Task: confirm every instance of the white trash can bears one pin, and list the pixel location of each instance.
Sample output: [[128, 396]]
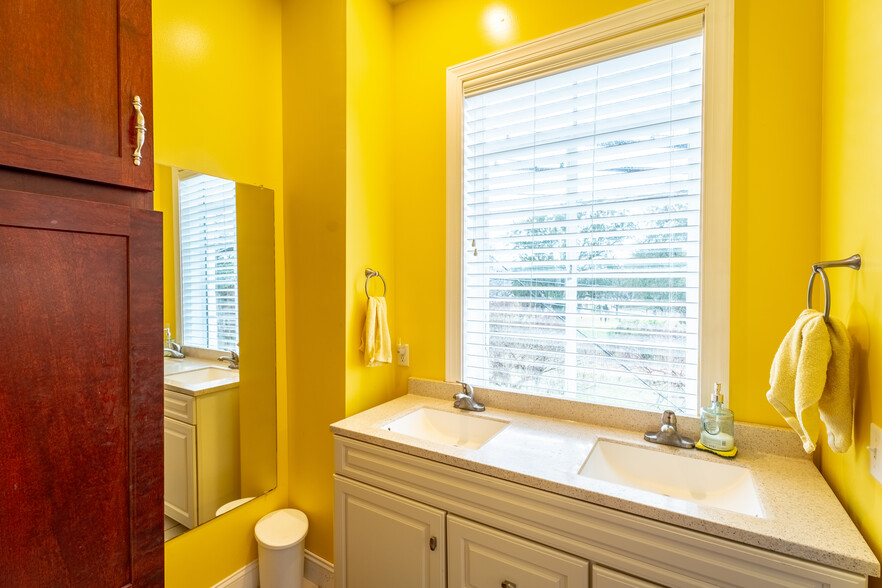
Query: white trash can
[[280, 536]]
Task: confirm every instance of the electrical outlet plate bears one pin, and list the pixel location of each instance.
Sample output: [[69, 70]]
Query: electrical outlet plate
[[403, 354], [876, 452]]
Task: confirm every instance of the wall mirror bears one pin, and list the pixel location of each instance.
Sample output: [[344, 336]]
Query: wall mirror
[[219, 301]]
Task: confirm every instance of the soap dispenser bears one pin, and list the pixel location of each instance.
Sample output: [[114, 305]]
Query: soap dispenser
[[717, 424]]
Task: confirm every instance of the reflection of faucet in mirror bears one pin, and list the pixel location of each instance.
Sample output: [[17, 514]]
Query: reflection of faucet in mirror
[[173, 350], [169, 347], [232, 358]]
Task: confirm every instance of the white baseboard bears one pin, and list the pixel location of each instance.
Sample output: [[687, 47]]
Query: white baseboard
[[315, 569], [318, 571], [246, 577]]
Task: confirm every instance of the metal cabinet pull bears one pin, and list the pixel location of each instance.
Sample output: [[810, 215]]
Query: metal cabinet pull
[[507, 584], [140, 130], [433, 543]]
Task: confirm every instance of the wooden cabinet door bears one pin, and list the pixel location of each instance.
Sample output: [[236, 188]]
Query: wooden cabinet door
[[386, 540], [80, 394], [481, 557], [69, 70]]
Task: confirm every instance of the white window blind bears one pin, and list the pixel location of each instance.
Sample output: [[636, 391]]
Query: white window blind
[[208, 263], [582, 228]]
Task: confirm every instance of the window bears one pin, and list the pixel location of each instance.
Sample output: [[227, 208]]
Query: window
[[584, 252], [208, 266]]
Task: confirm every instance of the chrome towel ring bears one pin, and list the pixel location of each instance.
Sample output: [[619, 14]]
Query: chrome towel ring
[[853, 262], [368, 274]]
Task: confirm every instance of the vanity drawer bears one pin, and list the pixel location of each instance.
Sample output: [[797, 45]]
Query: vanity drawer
[[180, 407]]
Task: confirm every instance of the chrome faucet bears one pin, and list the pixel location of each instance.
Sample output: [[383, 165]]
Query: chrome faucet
[[233, 358], [173, 350], [668, 434], [466, 399]]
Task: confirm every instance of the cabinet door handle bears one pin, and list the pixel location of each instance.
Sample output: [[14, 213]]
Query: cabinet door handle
[[433, 543], [140, 130], [507, 584]]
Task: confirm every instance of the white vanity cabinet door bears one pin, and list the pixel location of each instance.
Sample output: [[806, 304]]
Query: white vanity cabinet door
[[602, 577], [481, 557], [384, 540], [180, 472]]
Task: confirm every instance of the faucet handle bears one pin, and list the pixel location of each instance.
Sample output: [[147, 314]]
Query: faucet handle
[[669, 418], [466, 388]]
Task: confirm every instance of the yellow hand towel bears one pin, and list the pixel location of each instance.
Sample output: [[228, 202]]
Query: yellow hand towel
[[810, 371], [798, 374], [375, 340], [837, 402]]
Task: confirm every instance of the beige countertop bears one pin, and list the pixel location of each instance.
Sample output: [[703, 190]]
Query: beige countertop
[[802, 517]]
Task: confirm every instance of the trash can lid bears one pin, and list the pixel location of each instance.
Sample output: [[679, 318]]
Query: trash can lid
[[281, 528]]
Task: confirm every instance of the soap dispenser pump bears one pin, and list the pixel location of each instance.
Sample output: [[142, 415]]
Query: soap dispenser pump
[[717, 423]]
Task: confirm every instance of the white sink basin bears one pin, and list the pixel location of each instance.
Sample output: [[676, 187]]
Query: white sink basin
[[457, 429], [719, 485], [202, 379]]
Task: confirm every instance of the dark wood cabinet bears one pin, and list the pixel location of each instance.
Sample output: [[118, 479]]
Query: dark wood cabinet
[[69, 71], [81, 419]]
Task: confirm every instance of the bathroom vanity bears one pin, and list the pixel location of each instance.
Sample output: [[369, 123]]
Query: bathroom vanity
[[418, 509]]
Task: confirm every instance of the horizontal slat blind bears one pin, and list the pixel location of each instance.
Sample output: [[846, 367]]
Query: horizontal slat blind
[[582, 226], [208, 262]]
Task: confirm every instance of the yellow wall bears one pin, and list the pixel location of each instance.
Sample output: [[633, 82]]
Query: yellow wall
[[370, 214], [775, 188], [163, 202], [314, 99], [257, 338], [775, 198], [217, 109], [851, 209]]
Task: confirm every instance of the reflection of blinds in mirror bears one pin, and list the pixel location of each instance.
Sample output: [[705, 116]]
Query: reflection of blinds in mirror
[[208, 263], [582, 194]]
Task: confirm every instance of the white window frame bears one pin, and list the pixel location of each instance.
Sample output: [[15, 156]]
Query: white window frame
[[640, 27]]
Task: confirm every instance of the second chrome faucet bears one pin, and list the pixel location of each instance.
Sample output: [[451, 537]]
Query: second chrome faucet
[[668, 434]]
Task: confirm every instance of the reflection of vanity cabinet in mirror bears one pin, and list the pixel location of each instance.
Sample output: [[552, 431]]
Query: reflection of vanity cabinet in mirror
[[219, 300]]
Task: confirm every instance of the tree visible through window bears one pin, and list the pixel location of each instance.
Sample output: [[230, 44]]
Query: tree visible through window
[[582, 231]]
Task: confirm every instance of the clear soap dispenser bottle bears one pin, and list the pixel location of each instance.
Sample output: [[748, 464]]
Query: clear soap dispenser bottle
[[717, 424]]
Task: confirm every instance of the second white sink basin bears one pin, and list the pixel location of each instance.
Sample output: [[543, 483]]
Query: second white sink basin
[[457, 429], [202, 379], [719, 485]]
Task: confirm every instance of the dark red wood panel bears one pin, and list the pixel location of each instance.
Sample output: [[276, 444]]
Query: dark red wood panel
[[69, 70], [80, 394], [59, 42]]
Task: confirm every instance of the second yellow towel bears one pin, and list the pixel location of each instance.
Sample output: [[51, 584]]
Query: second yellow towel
[[811, 380]]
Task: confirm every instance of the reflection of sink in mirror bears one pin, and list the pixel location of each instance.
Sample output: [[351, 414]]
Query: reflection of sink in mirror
[[459, 430], [202, 379], [707, 483], [218, 295]]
